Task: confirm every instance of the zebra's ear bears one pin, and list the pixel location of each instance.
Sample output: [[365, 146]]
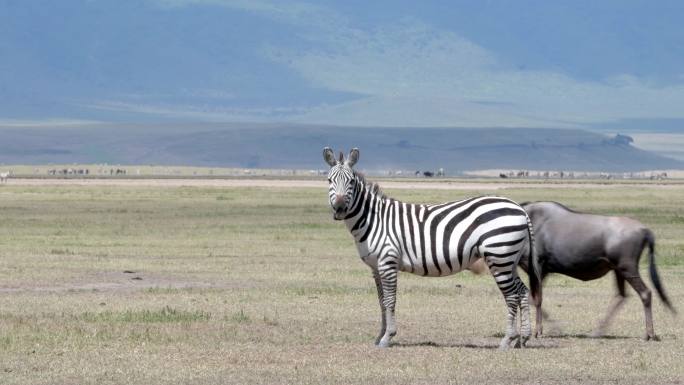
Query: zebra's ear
[[329, 156], [353, 157]]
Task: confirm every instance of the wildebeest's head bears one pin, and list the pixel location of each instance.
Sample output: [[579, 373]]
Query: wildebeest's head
[[342, 181]]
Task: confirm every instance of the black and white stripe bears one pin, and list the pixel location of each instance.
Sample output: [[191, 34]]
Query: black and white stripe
[[432, 240]]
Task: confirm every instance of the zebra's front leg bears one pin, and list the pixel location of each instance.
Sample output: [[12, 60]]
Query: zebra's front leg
[[388, 281], [383, 321]]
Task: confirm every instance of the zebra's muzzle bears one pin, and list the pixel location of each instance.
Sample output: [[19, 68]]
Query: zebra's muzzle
[[339, 213], [339, 207]]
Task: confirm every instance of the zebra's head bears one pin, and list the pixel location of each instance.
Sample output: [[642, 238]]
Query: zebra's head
[[342, 181]]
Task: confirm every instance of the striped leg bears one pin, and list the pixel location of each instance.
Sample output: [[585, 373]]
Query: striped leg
[[526, 325], [378, 285], [387, 269], [511, 336], [515, 295]]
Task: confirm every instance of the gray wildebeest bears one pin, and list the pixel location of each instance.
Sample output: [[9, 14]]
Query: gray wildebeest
[[588, 246]]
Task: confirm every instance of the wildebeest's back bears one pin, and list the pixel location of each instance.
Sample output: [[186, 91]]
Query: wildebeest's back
[[570, 242]]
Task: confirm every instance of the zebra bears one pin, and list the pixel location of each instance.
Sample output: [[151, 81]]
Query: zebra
[[434, 240]]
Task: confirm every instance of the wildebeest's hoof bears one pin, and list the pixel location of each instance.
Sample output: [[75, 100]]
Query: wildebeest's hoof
[[596, 334]]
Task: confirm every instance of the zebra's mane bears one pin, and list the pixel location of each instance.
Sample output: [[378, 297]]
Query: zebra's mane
[[373, 186]]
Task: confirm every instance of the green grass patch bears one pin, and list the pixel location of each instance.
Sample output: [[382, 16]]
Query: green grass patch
[[166, 314]]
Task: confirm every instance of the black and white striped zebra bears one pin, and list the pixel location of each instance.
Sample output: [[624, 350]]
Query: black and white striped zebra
[[434, 240]]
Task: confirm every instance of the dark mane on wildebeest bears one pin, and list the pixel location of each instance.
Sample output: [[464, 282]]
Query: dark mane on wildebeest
[[588, 246], [564, 207]]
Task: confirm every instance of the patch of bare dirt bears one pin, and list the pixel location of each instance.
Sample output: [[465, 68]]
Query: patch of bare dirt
[[117, 281]]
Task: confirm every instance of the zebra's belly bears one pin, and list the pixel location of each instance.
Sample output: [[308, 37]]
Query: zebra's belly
[[430, 268]]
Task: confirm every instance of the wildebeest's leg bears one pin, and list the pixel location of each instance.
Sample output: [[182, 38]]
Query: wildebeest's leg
[[554, 325], [387, 269], [645, 294], [539, 313], [378, 285], [614, 307]]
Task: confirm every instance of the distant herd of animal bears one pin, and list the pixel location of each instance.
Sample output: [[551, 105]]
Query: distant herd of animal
[[441, 239]]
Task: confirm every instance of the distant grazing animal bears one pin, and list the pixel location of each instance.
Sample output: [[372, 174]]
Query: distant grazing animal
[[4, 176], [587, 246], [434, 240], [428, 174]]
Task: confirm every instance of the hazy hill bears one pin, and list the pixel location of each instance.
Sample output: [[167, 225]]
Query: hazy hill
[[428, 63], [290, 146]]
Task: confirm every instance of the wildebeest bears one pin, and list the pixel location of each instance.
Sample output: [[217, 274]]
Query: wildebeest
[[587, 246]]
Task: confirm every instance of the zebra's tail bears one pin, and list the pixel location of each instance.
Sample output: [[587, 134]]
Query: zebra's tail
[[650, 241], [534, 273]]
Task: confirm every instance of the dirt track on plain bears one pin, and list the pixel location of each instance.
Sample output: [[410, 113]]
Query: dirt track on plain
[[309, 183]]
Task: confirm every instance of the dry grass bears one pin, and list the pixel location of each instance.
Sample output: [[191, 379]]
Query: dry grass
[[107, 284]]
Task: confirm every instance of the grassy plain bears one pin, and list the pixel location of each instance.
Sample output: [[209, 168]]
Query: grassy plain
[[143, 285]]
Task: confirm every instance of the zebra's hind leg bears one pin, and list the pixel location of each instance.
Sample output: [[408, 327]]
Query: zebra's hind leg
[[511, 336], [525, 323], [517, 300]]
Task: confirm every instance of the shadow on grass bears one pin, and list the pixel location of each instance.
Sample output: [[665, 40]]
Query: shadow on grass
[[466, 345], [589, 337], [561, 335]]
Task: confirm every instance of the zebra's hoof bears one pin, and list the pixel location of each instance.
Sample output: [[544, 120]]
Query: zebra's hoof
[[383, 344], [510, 342], [517, 344], [507, 343]]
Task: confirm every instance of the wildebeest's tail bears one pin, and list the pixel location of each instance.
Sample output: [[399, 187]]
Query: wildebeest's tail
[[650, 241], [534, 267]]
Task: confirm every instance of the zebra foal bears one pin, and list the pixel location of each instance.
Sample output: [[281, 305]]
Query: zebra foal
[[434, 240]]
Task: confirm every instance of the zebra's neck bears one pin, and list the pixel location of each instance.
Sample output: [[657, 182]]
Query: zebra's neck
[[366, 213]]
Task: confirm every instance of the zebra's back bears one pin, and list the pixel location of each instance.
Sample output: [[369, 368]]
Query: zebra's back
[[438, 240]]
